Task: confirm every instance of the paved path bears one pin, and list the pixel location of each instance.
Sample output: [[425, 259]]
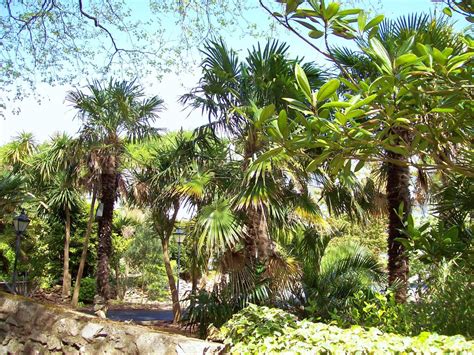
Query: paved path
[[139, 315]]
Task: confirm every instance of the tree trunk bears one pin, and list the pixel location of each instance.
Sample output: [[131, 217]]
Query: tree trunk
[[66, 291], [398, 193], [82, 263], [194, 269], [259, 243], [109, 191], [171, 281]]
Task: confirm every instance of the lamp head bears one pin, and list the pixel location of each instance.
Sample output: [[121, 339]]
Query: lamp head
[[21, 221]]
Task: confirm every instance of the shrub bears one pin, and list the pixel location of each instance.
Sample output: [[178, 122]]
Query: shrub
[[258, 330], [206, 308], [447, 307], [87, 291], [378, 310]]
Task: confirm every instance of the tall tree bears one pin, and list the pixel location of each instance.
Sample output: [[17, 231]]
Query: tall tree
[[228, 91], [385, 119], [58, 169], [165, 182], [112, 114]]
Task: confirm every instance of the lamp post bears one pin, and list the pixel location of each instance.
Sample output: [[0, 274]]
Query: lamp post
[[180, 235], [20, 223]]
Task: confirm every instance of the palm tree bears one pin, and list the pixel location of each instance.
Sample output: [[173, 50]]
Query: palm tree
[[167, 181], [59, 171], [231, 93], [112, 114]]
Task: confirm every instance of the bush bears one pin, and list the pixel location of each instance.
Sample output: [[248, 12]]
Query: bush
[[447, 307], [258, 330], [378, 310], [87, 290], [206, 309]]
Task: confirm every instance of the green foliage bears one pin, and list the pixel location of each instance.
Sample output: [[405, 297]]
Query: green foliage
[[206, 309], [371, 234], [88, 290], [342, 271], [156, 282], [377, 310], [447, 304], [258, 330]]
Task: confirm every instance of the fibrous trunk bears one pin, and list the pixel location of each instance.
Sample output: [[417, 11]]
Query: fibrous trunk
[[109, 190], [66, 274], [398, 194], [259, 244], [171, 281]]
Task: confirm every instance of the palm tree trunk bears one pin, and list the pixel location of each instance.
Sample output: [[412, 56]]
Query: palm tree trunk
[[171, 281], [109, 190], [82, 263], [260, 246], [194, 269], [165, 239], [398, 194], [66, 274]]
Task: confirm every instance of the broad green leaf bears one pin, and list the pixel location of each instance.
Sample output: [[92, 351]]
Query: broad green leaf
[[314, 164], [402, 120], [316, 34], [328, 89], [303, 82], [374, 22], [336, 104], [349, 84], [384, 83], [405, 59], [359, 165], [266, 113], [283, 123], [341, 118], [406, 46], [307, 25], [268, 154], [439, 57], [349, 12], [361, 20], [331, 10], [291, 5], [443, 110], [396, 149], [354, 114], [447, 11], [361, 103], [382, 53]]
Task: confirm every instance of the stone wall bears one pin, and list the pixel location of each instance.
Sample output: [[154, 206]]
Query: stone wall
[[34, 328]]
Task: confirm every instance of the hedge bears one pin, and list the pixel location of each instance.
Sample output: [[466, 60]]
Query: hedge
[[263, 330]]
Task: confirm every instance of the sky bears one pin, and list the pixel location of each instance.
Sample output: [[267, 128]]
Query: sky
[[54, 115]]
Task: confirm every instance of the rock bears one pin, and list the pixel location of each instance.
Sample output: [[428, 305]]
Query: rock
[[4, 327], [54, 343], [66, 326], [26, 312], [11, 320], [91, 330], [39, 338], [9, 306], [3, 315], [56, 330], [101, 314], [149, 343]]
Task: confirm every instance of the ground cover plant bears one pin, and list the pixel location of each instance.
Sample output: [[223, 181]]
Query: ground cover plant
[[258, 330]]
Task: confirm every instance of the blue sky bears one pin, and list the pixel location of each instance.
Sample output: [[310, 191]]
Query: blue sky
[[53, 114]]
